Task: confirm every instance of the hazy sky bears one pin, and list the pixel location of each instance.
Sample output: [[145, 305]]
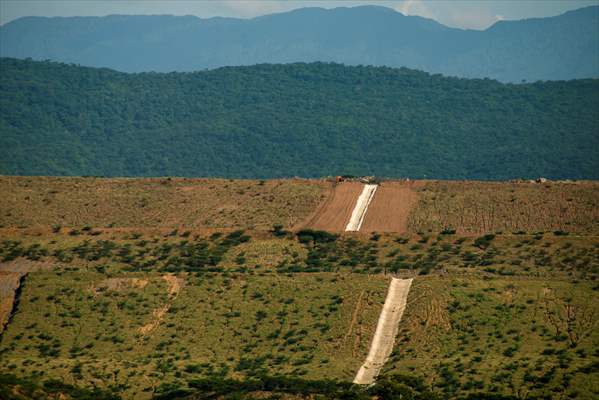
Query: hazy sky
[[457, 13]]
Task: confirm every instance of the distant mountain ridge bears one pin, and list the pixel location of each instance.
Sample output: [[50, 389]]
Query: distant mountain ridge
[[554, 48], [308, 120]]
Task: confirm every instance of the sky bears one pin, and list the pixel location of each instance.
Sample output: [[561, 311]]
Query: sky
[[469, 14]]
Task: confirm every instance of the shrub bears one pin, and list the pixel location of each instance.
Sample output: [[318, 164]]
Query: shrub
[[277, 230], [560, 233], [310, 235], [484, 241]]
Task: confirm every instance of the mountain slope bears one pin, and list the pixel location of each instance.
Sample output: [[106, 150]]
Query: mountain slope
[[297, 119], [562, 47]]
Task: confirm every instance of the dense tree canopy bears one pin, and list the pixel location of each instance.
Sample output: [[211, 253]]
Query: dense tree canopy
[[296, 119]]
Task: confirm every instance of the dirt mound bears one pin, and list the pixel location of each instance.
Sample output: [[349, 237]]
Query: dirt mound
[[389, 209]]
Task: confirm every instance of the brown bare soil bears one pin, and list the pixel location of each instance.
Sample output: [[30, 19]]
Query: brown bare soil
[[473, 208], [157, 202], [389, 209], [337, 208]]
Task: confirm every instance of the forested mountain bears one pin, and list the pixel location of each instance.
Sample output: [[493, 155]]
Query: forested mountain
[[296, 119], [562, 47]]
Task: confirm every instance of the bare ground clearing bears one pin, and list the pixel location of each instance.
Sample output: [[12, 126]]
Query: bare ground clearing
[[337, 209], [389, 209]]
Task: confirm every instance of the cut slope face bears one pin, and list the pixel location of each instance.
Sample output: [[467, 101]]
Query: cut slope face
[[335, 213], [386, 330], [390, 207]]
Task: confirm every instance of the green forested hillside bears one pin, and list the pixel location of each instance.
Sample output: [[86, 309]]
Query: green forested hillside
[[296, 119]]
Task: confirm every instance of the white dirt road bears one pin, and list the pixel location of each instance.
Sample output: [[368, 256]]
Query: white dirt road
[[357, 216], [386, 331]]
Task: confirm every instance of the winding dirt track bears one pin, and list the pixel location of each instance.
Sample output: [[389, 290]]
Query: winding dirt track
[[389, 209], [386, 331], [336, 211]]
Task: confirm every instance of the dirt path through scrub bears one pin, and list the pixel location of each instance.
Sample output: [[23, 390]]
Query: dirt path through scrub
[[337, 209], [174, 286], [386, 331], [389, 209]]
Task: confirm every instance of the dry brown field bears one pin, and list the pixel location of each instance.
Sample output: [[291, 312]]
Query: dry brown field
[[480, 207], [391, 206], [157, 202], [410, 207]]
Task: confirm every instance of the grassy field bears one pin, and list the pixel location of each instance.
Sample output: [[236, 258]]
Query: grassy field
[[143, 314], [86, 328], [526, 337]]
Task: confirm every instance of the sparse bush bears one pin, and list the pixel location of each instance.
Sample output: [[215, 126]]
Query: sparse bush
[[484, 241]]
